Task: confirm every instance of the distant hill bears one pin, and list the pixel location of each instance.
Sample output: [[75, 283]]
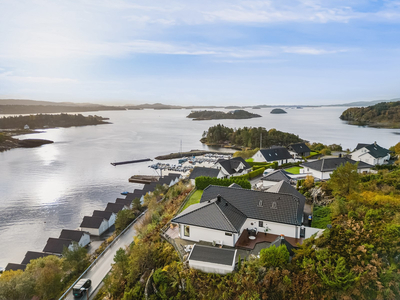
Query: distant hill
[[217, 115], [384, 114], [364, 103]]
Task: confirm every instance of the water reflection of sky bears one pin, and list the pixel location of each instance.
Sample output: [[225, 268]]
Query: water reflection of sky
[[46, 189]]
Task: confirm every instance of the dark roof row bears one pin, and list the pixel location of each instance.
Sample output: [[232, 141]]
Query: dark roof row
[[330, 164]]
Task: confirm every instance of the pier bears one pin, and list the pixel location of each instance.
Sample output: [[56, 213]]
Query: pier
[[145, 179], [130, 161]]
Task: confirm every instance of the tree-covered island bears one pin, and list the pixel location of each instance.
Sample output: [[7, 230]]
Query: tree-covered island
[[218, 115], [383, 115], [17, 125]]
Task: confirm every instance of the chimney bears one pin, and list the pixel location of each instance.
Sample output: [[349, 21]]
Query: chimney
[[219, 198], [282, 236], [375, 143]]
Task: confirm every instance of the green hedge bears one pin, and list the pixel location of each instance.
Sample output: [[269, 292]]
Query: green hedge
[[273, 165], [284, 166], [252, 174], [202, 182]]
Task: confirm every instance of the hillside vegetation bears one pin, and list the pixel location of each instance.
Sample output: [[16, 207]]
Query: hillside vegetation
[[385, 115], [217, 115], [248, 136]]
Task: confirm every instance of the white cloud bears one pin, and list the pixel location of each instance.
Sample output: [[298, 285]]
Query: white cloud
[[34, 79]]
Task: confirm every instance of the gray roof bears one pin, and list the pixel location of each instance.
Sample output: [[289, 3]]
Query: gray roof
[[103, 214], [377, 151], [207, 172], [91, 222], [286, 188], [214, 255], [360, 145], [74, 235], [127, 202], [213, 214], [280, 240], [277, 175], [235, 185], [231, 164], [299, 148], [136, 194], [56, 245], [273, 207], [330, 164], [276, 153], [30, 255], [15, 267], [114, 207]]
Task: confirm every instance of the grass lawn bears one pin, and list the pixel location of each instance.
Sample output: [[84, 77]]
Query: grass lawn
[[313, 153], [294, 170], [194, 199], [250, 159]]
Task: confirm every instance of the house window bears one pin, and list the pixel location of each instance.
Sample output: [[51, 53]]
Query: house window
[[274, 205], [186, 230], [260, 224], [260, 204], [228, 233]]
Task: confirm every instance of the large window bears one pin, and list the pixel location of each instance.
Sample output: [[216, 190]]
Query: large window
[[260, 224], [186, 230], [228, 233]]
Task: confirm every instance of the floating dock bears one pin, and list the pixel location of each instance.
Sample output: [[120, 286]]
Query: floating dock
[[131, 161]]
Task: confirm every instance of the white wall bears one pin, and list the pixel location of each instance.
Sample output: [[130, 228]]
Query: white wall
[[85, 240], [208, 267], [310, 231], [208, 235], [97, 231], [274, 228], [258, 157], [111, 221]]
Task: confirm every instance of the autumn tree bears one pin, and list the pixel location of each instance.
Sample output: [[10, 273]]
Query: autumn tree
[[344, 180]]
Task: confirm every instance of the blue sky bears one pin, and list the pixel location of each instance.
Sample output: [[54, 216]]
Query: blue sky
[[206, 52]]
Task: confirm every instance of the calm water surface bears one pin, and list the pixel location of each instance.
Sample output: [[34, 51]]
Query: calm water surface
[[44, 190]]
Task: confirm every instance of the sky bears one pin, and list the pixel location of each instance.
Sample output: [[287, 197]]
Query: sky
[[185, 52]]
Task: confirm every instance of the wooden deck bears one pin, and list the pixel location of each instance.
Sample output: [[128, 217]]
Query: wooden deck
[[247, 244]]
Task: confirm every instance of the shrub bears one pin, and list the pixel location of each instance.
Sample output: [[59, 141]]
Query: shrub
[[202, 182]]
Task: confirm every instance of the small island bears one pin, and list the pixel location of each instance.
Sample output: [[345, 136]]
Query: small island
[[278, 111], [381, 115], [218, 115], [18, 125]]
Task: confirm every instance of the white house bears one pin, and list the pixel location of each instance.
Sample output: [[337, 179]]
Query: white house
[[279, 154], [108, 215], [299, 150], [323, 168], [94, 225], [116, 207], [212, 260], [139, 194], [372, 154], [224, 213], [274, 177], [56, 246], [207, 172], [232, 167], [81, 237]]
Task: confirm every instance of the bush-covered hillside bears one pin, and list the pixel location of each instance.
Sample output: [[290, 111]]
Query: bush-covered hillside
[[217, 115]]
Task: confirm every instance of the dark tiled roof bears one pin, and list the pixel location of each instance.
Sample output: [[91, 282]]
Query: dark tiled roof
[[299, 148], [136, 194], [56, 245], [207, 172], [377, 151], [235, 185], [91, 222], [280, 240], [231, 164], [74, 235], [103, 214], [360, 145], [273, 207], [33, 255], [277, 175], [114, 207], [15, 267], [126, 202], [330, 164], [277, 153], [286, 188], [214, 255], [214, 215]]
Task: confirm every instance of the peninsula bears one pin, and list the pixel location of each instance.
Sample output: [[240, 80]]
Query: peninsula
[[218, 115], [381, 115]]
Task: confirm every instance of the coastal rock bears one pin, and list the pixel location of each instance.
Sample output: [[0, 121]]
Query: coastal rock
[[278, 111]]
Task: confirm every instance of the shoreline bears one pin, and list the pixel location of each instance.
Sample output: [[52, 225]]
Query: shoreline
[[188, 153]]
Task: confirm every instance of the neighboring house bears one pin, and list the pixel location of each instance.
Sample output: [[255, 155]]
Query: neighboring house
[[94, 225], [175, 178], [279, 154], [81, 237], [274, 177], [15, 267], [299, 150], [323, 168], [126, 202], [139, 194], [232, 167], [372, 154], [108, 215], [30, 255], [115, 207], [56, 246], [224, 213], [212, 259], [207, 172]]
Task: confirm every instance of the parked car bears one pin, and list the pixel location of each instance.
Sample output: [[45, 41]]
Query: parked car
[[81, 287]]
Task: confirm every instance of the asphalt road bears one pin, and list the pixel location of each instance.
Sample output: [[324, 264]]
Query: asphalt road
[[97, 273]]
